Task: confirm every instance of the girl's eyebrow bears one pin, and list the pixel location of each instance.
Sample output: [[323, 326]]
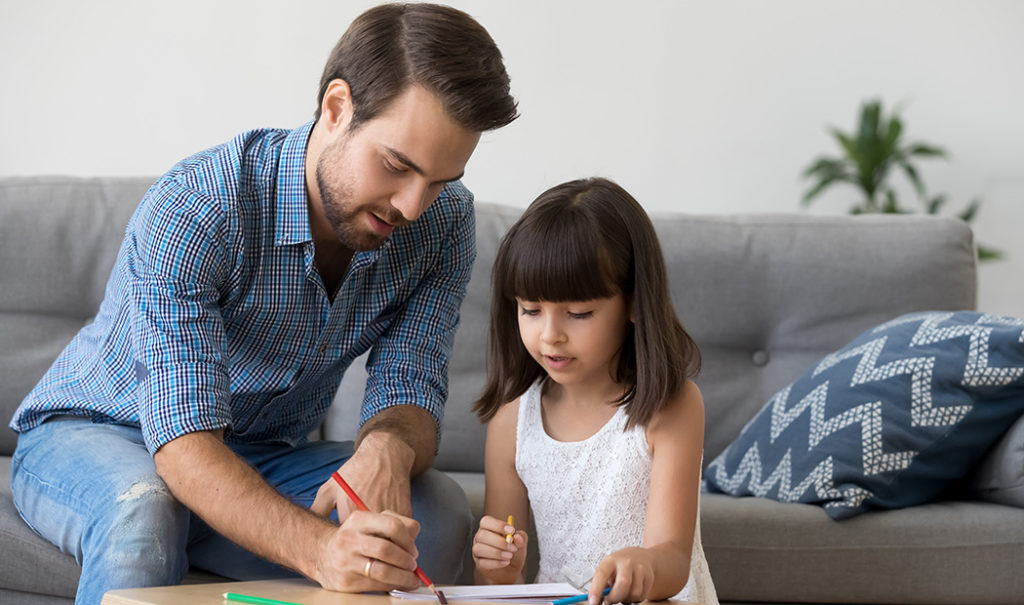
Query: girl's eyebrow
[[404, 159]]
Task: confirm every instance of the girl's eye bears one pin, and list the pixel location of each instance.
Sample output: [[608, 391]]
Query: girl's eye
[[583, 315], [528, 312]]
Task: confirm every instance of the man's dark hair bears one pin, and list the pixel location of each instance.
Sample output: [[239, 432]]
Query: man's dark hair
[[442, 49]]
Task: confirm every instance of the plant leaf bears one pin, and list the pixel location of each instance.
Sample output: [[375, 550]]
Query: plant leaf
[[914, 177], [895, 130], [936, 204], [821, 185], [924, 149], [986, 253], [847, 143], [869, 119], [824, 165], [890, 206], [967, 215]]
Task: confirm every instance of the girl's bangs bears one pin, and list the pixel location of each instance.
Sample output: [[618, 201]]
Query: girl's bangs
[[558, 264]]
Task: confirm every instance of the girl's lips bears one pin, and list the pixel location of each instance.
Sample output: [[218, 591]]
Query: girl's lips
[[556, 362]]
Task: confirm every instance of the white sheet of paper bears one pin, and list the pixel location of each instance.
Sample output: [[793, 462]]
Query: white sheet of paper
[[519, 593]]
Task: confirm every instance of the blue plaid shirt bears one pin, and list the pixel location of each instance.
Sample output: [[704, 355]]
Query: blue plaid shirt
[[215, 315]]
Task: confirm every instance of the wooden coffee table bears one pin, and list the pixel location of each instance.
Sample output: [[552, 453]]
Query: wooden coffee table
[[293, 591]]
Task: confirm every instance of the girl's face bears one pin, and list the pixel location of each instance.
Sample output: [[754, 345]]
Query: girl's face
[[575, 342]]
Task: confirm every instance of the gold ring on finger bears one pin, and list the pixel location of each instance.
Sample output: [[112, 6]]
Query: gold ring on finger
[[368, 568]]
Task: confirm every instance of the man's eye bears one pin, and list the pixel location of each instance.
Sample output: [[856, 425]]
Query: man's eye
[[393, 167]]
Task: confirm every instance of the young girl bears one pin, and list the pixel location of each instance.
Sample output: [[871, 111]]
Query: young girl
[[592, 420]]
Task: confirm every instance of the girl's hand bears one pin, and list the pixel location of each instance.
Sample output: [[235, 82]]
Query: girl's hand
[[630, 573], [496, 560]]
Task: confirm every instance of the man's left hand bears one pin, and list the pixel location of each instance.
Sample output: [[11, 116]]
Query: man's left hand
[[378, 472]]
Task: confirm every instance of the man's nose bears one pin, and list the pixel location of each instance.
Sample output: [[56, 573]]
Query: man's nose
[[412, 200]]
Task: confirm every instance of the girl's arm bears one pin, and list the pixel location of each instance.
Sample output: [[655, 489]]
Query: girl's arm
[[660, 568], [498, 562]]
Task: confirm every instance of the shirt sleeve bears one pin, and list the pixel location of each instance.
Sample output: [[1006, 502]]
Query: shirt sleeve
[[176, 258], [409, 363]]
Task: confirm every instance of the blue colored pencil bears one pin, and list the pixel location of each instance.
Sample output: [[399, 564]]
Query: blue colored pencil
[[578, 598]]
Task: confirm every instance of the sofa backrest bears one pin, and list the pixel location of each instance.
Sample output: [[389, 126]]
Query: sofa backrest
[[764, 296], [59, 238]]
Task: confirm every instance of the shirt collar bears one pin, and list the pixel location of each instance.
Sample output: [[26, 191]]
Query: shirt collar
[[292, 201]]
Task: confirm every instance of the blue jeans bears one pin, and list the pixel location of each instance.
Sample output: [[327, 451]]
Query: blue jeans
[[93, 490]]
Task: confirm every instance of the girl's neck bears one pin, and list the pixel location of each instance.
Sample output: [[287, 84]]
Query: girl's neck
[[577, 412], [590, 395]]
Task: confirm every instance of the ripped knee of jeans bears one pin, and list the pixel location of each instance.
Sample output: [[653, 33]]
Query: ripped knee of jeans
[[143, 489]]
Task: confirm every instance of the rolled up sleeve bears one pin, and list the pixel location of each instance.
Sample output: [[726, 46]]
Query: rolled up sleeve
[[177, 258]]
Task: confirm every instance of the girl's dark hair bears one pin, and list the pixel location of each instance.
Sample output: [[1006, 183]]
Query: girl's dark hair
[[578, 241], [392, 46]]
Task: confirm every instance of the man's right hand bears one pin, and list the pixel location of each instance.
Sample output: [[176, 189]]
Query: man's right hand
[[370, 551], [209, 479]]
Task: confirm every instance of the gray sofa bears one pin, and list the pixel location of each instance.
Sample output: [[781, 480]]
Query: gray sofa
[[765, 296]]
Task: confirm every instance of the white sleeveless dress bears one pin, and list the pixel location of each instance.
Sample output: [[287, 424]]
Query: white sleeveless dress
[[589, 498]]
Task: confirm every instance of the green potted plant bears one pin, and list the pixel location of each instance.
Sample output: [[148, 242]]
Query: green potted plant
[[870, 155]]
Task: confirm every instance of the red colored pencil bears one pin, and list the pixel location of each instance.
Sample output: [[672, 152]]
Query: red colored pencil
[[361, 506]]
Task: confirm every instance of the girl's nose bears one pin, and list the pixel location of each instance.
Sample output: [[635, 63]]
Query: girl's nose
[[552, 332]]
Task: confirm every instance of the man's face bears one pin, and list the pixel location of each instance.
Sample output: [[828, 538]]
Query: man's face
[[388, 171]]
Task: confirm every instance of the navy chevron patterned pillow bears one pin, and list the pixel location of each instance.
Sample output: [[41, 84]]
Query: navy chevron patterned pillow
[[887, 421]]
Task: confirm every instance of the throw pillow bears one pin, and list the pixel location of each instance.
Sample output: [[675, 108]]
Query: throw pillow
[[887, 421]]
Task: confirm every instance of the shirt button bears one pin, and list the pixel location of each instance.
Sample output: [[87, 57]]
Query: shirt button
[[760, 358], [323, 347]]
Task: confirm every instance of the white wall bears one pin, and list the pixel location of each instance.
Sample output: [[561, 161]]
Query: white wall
[[699, 106]]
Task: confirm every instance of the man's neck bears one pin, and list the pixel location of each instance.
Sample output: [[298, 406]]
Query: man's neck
[[332, 264]]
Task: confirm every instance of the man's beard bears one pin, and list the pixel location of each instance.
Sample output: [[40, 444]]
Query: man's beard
[[340, 207]]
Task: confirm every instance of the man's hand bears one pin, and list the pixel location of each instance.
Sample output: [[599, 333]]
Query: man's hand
[[370, 551], [378, 471], [392, 446]]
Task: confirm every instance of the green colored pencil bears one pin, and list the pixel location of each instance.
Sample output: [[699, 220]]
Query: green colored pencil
[[244, 598]]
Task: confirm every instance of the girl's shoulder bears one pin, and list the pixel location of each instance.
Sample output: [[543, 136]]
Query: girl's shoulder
[[682, 416], [506, 415], [503, 427]]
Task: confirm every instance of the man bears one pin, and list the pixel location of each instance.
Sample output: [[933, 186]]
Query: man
[[174, 427]]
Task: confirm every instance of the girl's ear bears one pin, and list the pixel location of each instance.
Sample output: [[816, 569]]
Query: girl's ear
[[336, 109]]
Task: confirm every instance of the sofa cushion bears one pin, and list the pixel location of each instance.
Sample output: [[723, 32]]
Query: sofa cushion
[[949, 552], [31, 564], [1000, 476], [888, 421], [59, 238]]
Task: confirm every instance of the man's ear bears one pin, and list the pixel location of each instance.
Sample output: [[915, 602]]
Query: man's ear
[[336, 109]]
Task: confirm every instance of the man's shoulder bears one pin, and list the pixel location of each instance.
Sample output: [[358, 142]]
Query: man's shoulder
[[239, 175], [222, 187], [455, 202], [249, 157], [450, 215]]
